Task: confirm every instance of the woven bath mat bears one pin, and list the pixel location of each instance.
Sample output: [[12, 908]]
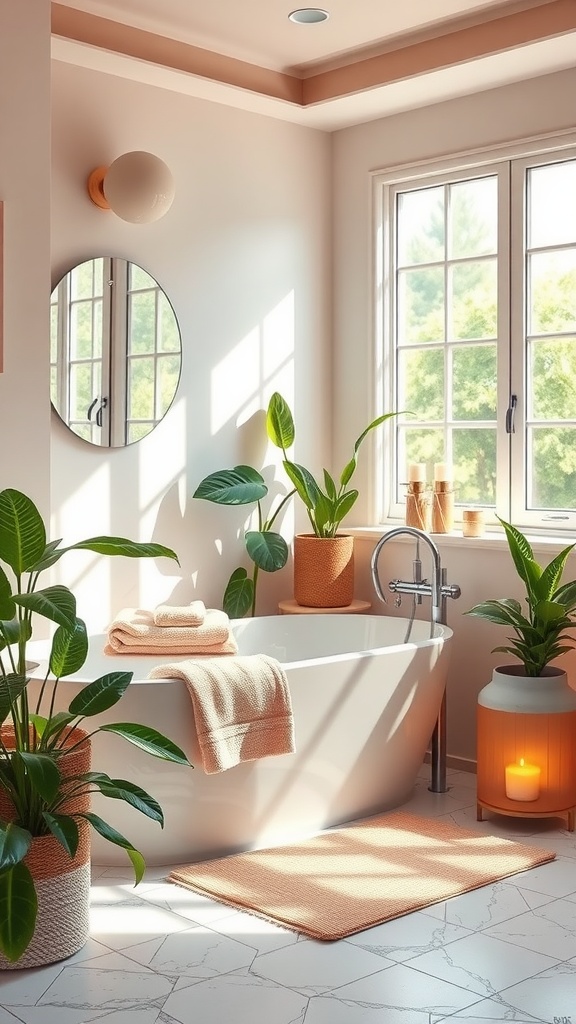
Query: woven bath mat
[[348, 879]]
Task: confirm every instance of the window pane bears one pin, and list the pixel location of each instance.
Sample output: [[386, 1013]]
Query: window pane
[[419, 446], [86, 280], [421, 305], [421, 383], [169, 335], [168, 373], [54, 385], [53, 333], [552, 204], [82, 389], [553, 483], [474, 299], [473, 218], [142, 321], [475, 466], [98, 329], [141, 389], [136, 431], [139, 278], [421, 226], [553, 376], [81, 330], [552, 290], [474, 382]]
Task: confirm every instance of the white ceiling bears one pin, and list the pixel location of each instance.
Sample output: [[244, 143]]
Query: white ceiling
[[260, 33]]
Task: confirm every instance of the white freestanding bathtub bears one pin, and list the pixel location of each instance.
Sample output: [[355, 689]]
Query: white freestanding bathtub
[[364, 702]]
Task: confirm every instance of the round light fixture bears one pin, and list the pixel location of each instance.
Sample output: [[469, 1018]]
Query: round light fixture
[[137, 187], [309, 16]]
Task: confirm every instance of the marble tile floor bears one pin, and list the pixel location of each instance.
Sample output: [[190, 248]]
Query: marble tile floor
[[159, 954]]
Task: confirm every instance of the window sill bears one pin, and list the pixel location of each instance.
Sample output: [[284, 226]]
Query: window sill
[[493, 539]]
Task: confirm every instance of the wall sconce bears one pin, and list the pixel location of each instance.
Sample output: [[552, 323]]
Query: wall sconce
[[137, 187]]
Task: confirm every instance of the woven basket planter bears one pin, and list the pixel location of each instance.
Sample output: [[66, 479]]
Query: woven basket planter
[[323, 570], [62, 883]]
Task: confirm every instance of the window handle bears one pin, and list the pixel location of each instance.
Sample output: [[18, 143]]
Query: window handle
[[510, 415], [102, 406], [90, 407]]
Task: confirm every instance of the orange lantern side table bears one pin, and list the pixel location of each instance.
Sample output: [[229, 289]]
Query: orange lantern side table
[[526, 745]]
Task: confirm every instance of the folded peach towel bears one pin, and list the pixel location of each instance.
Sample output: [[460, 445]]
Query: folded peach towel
[[192, 614], [242, 707], [133, 632]]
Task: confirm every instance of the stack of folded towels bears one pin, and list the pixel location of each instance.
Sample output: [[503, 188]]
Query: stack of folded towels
[[169, 629]]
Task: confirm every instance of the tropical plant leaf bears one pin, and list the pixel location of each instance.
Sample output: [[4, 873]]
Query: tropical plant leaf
[[304, 482], [566, 595], [22, 531], [238, 595], [14, 844], [279, 422], [109, 833], [101, 694], [55, 725], [55, 603], [119, 789], [150, 740], [239, 486], [13, 631], [323, 516], [42, 772], [549, 611], [267, 549], [18, 911], [11, 686], [69, 649], [505, 612], [330, 486], [50, 556], [350, 467], [121, 546], [552, 574], [7, 604], [344, 504], [64, 829]]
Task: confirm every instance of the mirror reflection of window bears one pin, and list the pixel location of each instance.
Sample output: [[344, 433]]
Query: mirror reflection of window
[[115, 351]]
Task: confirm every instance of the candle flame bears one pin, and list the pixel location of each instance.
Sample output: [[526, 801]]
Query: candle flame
[[521, 762]]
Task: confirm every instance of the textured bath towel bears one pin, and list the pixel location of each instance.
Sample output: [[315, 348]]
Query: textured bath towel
[[192, 614], [242, 708], [133, 632]]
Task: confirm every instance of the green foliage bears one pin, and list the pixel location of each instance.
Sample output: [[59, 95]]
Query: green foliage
[[539, 633], [243, 485], [29, 769]]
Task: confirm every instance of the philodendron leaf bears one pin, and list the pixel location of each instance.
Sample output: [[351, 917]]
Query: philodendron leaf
[[239, 486], [50, 556], [122, 546], [7, 605], [69, 650], [268, 550], [552, 574], [304, 483], [22, 531], [55, 725], [239, 594], [18, 910], [279, 422], [43, 774], [64, 829], [56, 603], [120, 789], [101, 694], [14, 844], [344, 505], [109, 833], [11, 686], [13, 632], [150, 740], [350, 467]]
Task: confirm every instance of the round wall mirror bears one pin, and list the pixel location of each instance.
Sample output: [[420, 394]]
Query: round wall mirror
[[115, 351]]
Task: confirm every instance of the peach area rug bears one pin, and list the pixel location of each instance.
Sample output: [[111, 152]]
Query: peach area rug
[[351, 878]]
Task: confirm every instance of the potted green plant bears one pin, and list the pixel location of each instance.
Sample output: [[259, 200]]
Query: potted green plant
[[45, 777], [539, 635], [324, 559], [526, 716]]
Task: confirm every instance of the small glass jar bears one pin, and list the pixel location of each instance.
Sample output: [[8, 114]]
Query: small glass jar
[[473, 522]]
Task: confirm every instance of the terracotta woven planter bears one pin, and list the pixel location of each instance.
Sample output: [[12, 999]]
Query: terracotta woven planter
[[323, 570], [62, 884]]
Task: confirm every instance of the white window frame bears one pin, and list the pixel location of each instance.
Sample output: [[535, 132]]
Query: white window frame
[[511, 348]]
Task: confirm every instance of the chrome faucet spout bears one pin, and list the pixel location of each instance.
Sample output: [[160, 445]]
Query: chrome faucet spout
[[417, 586]]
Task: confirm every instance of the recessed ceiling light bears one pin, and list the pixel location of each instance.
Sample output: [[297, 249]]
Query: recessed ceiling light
[[309, 16]]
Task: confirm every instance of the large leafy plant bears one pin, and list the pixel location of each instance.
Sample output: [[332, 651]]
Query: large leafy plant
[[244, 485], [29, 764], [539, 630]]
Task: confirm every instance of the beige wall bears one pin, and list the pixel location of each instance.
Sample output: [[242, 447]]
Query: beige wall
[[25, 191], [243, 254], [542, 105]]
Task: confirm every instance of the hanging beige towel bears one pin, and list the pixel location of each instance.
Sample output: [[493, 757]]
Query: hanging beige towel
[[133, 632], [192, 614], [242, 708]]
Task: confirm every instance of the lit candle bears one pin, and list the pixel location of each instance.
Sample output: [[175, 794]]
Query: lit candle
[[417, 472], [522, 781], [442, 471]]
